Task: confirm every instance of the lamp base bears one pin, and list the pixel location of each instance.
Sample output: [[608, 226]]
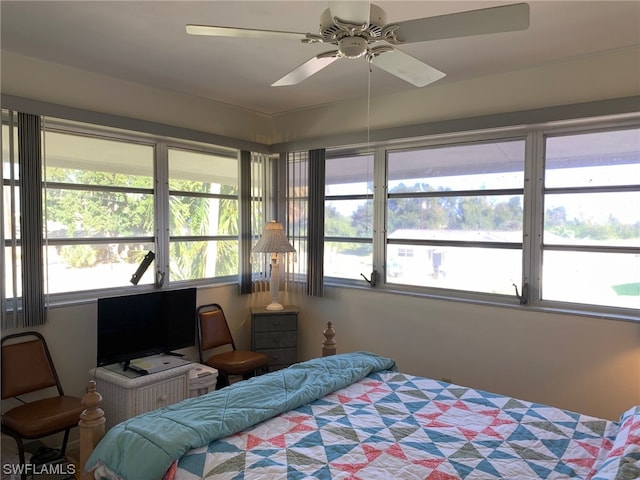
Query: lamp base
[[275, 306]]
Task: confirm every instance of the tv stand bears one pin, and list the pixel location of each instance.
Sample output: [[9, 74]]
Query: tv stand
[[127, 394]]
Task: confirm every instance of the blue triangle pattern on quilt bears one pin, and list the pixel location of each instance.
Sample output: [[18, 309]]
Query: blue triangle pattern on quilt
[[266, 453], [563, 469], [534, 412], [556, 446], [522, 433], [501, 455], [373, 430], [264, 462], [415, 406], [391, 398], [193, 463], [438, 436], [311, 440], [517, 416], [444, 396], [346, 421], [222, 447], [540, 470], [462, 469], [570, 425], [486, 467], [431, 448], [334, 452]]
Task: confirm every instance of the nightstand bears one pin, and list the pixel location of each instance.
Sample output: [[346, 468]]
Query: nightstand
[[275, 332]]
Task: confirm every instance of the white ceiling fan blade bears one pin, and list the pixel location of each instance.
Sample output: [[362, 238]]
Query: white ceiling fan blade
[[214, 31], [407, 68], [508, 18], [310, 67], [356, 12]]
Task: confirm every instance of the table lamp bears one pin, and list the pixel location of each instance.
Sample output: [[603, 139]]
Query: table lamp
[[273, 241]]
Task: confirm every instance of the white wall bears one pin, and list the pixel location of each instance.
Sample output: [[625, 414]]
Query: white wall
[[45, 81], [583, 364]]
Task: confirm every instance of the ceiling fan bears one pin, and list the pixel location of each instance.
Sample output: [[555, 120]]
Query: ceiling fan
[[358, 28]]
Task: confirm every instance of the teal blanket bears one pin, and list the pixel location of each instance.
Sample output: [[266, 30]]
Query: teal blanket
[[145, 446]]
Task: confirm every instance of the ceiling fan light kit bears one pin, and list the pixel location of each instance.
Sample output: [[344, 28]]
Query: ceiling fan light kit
[[352, 47], [359, 29]]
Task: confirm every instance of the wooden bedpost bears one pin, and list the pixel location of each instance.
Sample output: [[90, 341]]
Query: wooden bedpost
[[91, 424], [329, 343]]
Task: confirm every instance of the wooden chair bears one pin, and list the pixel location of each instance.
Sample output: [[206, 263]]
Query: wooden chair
[[213, 332], [27, 367]]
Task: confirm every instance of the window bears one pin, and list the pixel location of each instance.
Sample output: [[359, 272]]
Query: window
[[110, 197], [546, 216], [348, 217], [203, 215], [298, 211], [591, 235], [454, 216], [10, 202], [99, 211]]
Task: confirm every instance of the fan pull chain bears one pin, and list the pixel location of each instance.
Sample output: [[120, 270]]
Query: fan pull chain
[[369, 108], [369, 152]]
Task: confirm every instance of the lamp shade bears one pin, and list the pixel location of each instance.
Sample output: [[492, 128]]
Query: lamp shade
[[273, 240]]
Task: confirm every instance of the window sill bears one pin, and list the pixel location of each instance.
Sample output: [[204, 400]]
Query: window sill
[[499, 301]]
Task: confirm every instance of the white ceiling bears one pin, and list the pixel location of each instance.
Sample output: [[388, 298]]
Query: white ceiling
[[145, 42]]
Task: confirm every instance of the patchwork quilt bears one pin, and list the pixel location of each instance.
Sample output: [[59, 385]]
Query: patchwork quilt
[[391, 425], [352, 416]]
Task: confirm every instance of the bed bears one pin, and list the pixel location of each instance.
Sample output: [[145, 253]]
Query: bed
[[354, 416]]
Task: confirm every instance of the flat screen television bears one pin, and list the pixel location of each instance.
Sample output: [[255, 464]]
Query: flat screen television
[[136, 326]]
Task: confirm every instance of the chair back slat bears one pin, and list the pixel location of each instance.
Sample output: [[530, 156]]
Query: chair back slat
[[26, 367]]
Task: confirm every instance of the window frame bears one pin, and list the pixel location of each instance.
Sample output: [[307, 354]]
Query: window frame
[[538, 145], [464, 141], [168, 237], [11, 236], [55, 126], [336, 154], [528, 292]]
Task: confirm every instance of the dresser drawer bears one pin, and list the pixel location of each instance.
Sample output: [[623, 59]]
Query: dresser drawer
[[280, 358], [270, 340], [271, 323]]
